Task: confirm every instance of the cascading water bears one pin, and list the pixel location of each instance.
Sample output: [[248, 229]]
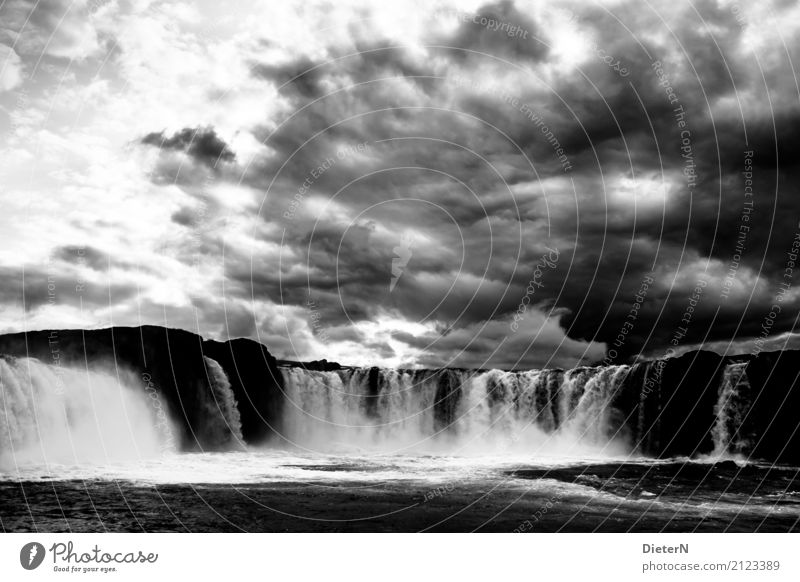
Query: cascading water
[[57, 414], [545, 411], [342, 409], [734, 401], [52, 414], [592, 417], [224, 424]]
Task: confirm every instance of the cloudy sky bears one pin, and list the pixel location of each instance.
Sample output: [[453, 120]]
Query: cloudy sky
[[408, 183]]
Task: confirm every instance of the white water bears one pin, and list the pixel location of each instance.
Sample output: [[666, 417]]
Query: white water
[[275, 465], [51, 415], [221, 408], [539, 413], [733, 404], [79, 419]]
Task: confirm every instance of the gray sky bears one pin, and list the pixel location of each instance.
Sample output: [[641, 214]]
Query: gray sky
[[390, 183]]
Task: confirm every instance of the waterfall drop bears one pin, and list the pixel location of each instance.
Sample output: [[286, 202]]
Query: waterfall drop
[[222, 413], [56, 415], [540, 412], [733, 405]]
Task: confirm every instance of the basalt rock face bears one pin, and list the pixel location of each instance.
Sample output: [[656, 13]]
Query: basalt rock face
[[256, 383], [701, 404], [171, 363], [772, 426], [743, 405], [315, 365], [689, 394]]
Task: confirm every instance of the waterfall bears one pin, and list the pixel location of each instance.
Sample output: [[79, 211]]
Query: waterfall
[[592, 415], [453, 410], [339, 409], [733, 404], [224, 423], [58, 415]]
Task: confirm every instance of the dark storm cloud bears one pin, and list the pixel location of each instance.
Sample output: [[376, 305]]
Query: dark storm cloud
[[654, 190], [777, 141], [37, 287], [364, 62], [332, 263], [76, 256], [499, 30], [489, 345], [89, 256], [620, 131], [302, 76], [201, 143], [459, 142], [383, 349], [185, 217], [17, 289]]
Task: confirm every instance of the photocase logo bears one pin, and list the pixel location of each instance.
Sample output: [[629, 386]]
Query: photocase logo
[[31, 555], [399, 262]]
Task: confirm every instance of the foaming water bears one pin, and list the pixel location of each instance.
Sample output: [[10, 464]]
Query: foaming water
[[732, 407], [51, 415], [279, 490], [540, 413], [220, 406], [363, 424], [275, 466]]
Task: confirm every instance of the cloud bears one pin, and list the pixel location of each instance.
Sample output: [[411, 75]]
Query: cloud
[[498, 30], [540, 343], [289, 160], [10, 70], [626, 213], [60, 28], [202, 144], [35, 288]]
